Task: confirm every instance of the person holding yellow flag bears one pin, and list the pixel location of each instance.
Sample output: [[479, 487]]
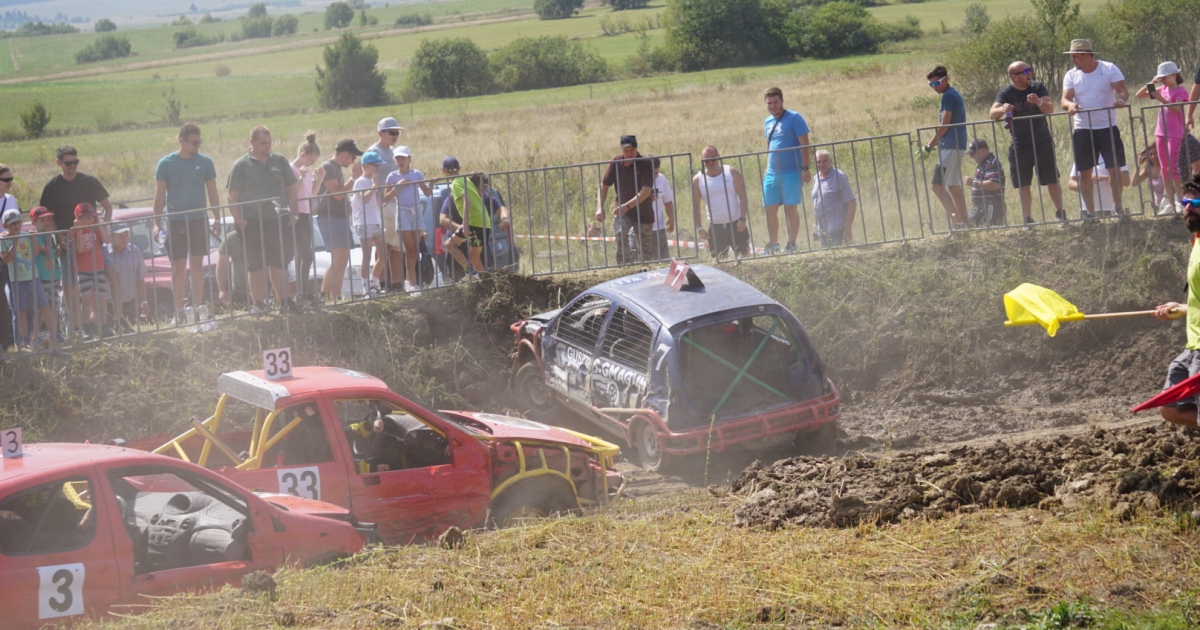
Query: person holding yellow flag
[[1187, 364]]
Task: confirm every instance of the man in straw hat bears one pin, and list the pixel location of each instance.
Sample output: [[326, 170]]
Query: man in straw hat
[[1091, 91]]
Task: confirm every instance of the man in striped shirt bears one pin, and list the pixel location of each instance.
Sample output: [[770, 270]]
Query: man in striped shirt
[[834, 204], [987, 188]]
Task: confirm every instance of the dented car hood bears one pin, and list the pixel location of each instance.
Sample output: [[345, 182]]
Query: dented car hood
[[510, 428]]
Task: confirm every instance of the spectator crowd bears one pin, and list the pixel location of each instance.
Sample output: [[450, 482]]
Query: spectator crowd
[[70, 273]]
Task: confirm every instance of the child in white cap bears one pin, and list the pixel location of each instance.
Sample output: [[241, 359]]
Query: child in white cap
[[1166, 88]]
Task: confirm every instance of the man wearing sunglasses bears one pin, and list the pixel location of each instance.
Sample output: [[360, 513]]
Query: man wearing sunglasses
[[1024, 103], [1188, 362], [951, 142], [389, 274]]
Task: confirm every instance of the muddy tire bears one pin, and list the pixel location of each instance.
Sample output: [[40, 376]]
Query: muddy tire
[[530, 499], [534, 398], [650, 449], [821, 440]]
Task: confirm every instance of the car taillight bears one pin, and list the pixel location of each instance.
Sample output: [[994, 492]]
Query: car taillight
[[729, 329]]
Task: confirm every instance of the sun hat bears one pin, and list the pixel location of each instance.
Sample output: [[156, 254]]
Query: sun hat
[[1080, 46], [11, 215], [401, 151], [372, 157], [1166, 69]]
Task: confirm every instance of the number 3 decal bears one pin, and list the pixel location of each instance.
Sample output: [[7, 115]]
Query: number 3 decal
[[60, 592], [301, 482]]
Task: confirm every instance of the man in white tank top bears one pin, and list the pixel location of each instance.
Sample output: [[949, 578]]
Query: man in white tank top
[[724, 193]]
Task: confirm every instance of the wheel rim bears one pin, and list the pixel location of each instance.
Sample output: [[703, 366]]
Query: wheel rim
[[537, 392], [651, 449]]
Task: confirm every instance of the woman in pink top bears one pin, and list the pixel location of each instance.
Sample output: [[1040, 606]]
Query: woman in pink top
[[1169, 132], [302, 168]]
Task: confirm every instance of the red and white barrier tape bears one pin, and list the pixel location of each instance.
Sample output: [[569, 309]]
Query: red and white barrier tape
[[608, 239]]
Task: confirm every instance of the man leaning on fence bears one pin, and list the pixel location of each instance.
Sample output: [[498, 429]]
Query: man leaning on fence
[[723, 191], [1091, 91], [834, 204], [950, 138], [633, 213], [987, 187], [1023, 104]]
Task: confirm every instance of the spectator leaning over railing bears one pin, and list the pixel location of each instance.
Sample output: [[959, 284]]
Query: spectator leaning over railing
[[723, 191], [91, 263], [950, 138], [1032, 145], [368, 218], [664, 212], [265, 176], [1169, 130], [232, 279], [787, 171], [388, 274], [61, 195], [987, 188], [48, 247], [184, 178], [1098, 86], [130, 304], [308, 186], [834, 204], [25, 292], [333, 213], [633, 213], [1149, 171], [409, 224]]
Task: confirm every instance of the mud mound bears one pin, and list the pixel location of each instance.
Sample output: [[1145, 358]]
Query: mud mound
[[1129, 469]]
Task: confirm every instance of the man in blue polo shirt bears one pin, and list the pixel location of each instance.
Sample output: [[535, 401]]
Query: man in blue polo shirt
[[950, 138], [184, 178], [784, 129]]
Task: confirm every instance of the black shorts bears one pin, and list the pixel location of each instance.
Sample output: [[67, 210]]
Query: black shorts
[[1023, 156], [1090, 143], [722, 236], [187, 239], [1183, 366], [475, 236], [268, 243]]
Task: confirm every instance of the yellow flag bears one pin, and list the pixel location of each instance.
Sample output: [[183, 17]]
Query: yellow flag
[[1031, 304]]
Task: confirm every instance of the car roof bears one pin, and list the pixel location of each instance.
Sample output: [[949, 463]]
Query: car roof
[[47, 457], [253, 387], [721, 292]]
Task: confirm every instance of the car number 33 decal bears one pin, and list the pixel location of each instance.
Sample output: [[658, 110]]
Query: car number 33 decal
[[301, 482], [60, 591]]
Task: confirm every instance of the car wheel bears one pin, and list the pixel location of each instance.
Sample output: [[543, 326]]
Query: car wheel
[[534, 397], [534, 498], [650, 449], [820, 440]]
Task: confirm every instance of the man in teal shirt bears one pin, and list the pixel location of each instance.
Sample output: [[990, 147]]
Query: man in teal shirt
[[787, 169], [183, 179], [1187, 364]]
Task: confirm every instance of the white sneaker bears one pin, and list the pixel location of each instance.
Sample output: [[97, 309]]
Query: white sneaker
[[374, 285], [411, 289], [1167, 209]]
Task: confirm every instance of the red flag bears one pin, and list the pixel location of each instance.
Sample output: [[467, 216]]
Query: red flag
[[1184, 389]]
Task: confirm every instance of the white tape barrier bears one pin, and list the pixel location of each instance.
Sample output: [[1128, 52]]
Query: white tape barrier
[[609, 239]]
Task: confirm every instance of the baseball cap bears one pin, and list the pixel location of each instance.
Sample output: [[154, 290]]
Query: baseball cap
[[117, 228], [39, 212], [629, 141], [1166, 69], [976, 144], [450, 163], [401, 151], [389, 123], [348, 145], [10, 215], [86, 209], [371, 157]]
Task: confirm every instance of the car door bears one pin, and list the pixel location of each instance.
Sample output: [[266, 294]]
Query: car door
[[56, 550], [571, 345], [415, 477], [308, 462], [179, 530], [620, 374]]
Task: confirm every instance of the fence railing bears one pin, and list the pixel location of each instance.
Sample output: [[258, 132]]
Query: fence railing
[[273, 258]]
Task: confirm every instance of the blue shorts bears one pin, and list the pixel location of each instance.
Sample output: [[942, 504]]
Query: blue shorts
[[408, 220], [789, 182], [27, 295], [335, 232]]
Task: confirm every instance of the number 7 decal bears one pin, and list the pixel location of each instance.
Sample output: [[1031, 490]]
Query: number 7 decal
[[60, 591]]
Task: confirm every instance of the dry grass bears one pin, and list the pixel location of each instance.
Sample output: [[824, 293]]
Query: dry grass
[[679, 563]]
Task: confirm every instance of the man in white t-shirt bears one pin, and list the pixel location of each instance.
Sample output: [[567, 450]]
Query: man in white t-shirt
[[1091, 91], [664, 214], [723, 191], [1103, 193], [389, 136]]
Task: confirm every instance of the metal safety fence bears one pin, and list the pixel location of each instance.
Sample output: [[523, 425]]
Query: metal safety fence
[[134, 273]]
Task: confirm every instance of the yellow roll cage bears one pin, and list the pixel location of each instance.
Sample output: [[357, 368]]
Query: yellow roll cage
[[261, 439], [604, 451]]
